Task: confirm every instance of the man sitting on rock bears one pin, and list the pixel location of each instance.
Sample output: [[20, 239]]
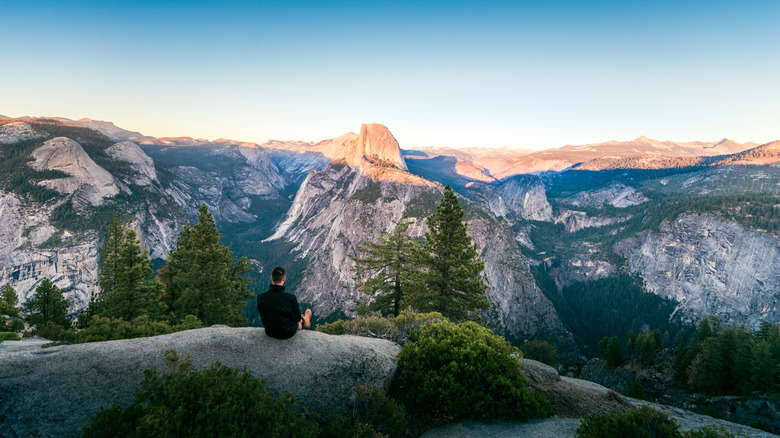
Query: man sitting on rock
[[279, 310]]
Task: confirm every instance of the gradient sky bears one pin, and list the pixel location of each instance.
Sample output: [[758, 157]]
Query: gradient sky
[[520, 74]]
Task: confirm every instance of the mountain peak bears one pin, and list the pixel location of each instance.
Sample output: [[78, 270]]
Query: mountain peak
[[374, 145]]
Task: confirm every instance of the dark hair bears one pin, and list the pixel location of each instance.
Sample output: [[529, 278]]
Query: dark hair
[[278, 274]]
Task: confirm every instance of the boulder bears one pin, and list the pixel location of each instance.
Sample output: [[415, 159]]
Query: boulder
[[55, 391], [572, 398]]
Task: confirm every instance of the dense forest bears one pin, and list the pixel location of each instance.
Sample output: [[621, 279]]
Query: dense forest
[[610, 306]]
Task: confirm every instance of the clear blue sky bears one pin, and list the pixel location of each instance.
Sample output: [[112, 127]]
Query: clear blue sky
[[519, 74]]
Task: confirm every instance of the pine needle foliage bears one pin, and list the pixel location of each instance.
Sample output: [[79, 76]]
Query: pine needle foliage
[[201, 277], [47, 305], [386, 269], [451, 283]]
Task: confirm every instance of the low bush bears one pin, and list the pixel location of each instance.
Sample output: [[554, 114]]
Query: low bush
[[448, 372], [644, 422], [218, 401], [373, 414], [541, 351], [109, 329], [398, 329], [9, 336], [637, 390]]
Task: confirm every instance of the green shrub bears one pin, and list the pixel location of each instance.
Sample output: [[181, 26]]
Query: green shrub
[[108, 329], [637, 390], [218, 401], [644, 422], [398, 329], [52, 331], [450, 372], [9, 336], [541, 351], [708, 432], [373, 414]]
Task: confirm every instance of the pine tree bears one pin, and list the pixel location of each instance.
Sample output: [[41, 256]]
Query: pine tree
[[386, 270], [202, 279], [109, 256], [763, 369], [452, 284], [133, 292], [8, 301], [47, 305]]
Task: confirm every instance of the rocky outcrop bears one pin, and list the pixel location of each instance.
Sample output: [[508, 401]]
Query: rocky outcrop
[[518, 197], [18, 131], [574, 221], [375, 145], [90, 182], [73, 269], [24, 264], [616, 195], [55, 391], [711, 266], [141, 164]]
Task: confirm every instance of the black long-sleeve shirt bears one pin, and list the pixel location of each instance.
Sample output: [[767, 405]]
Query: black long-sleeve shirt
[[279, 311]]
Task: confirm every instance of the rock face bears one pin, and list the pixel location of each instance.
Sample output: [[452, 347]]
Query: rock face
[[18, 131], [89, 181], [23, 264], [712, 267], [375, 144], [574, 221], [616, 195], [142, 164], [55, 391], [518, 197]]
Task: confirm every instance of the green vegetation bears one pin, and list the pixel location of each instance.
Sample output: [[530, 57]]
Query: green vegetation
[[9, 336], [397, 329], [218, 401], [730, 360], [637, 390], [450, 283], [449, 372], [201, 277], [541, 351], [609, 350], [605, 307], [102, 328], [644, 422], [9, 313], [47, 309], [386, 270]]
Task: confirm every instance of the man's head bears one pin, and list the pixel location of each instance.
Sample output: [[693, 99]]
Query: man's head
[[278, 275]]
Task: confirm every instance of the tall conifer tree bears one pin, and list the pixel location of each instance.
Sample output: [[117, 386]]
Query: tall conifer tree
[[202, 279], [109, 257], [134, 292], [8, 301], [47, 305], [452, 284], [385, 271]]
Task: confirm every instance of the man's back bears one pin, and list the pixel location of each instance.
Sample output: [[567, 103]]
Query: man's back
[[279, 311]]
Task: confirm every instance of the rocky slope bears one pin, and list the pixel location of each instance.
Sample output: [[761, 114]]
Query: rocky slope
[[55, 391], [712, 267], [87, 181]]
